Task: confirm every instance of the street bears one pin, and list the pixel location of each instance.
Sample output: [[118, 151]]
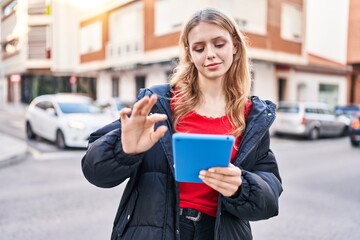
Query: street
[[321, 192], [46, 196]]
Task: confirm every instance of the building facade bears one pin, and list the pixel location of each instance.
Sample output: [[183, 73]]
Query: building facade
[[38, 52], [123, 45], [353, 49]]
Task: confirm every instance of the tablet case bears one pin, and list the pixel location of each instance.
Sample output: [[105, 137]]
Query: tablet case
[[196, 152]]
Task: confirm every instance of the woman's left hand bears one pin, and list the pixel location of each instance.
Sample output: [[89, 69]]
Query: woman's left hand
[[225, 180]]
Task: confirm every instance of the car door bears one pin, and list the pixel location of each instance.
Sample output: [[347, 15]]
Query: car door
[[336, 126], [51, 124], [35, 118], [328, 121]]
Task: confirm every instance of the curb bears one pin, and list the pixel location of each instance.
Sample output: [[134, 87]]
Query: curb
[[14, 159]]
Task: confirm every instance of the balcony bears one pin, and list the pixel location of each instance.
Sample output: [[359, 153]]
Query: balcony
[[37, 41], [37, 7]]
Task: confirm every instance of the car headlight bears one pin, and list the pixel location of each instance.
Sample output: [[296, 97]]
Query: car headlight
[[76, 125]]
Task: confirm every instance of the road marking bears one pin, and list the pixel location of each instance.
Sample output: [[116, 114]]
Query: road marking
[[18, 124], [57, 155], [34, 152]]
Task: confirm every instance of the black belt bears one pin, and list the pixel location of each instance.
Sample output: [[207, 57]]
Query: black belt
[[193, 215]]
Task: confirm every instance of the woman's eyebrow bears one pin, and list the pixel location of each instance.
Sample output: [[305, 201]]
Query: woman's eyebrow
[[212, 40]]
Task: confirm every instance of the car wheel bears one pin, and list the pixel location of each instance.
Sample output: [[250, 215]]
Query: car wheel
[[29, 132], [279, 134], [60, 140], [346, 131], [354, 143], [314, 134]]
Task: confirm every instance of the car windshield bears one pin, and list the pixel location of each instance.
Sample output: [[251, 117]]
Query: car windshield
[[78, 107], [119, 106], [288, 109]]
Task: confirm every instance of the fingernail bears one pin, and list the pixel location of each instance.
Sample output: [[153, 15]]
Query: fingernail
[[202, 172], [211, 170]]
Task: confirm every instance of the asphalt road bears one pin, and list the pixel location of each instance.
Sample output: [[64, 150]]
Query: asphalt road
[[46, 196], [321, 192]]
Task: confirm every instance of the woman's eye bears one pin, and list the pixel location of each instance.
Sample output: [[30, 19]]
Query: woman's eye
[[219, 45], [199, 50]]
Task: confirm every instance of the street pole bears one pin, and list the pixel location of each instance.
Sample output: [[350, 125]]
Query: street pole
[[2, 86]]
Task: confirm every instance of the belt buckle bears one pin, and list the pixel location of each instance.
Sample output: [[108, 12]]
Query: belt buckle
[[194, 219]]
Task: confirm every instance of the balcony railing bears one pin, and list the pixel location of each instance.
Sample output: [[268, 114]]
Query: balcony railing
[[37, 41], [123, 50], [37, 7]]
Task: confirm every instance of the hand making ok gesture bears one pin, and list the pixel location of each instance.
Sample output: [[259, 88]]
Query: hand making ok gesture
[[137, 132]]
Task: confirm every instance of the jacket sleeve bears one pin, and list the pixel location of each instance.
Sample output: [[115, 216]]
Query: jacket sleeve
[[261, 187], [105, 164]]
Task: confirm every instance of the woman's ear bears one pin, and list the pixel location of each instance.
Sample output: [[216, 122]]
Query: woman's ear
[[188, 54], [235, 48]]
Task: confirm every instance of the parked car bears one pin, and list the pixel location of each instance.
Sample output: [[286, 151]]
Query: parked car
[[355, 132], [350, 111], [113, 106], [66, 119], [312, 120]]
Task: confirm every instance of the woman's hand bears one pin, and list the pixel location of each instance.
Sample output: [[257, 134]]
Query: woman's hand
[[225, 180], [137, 126]]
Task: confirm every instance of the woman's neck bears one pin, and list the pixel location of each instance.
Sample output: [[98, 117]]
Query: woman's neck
[[213, 99], [211, 88]]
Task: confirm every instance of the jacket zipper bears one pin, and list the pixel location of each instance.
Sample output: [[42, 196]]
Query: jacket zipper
[[217, 224], [177, 209]]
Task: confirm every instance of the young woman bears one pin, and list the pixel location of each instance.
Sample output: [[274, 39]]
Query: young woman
[[209, 93]]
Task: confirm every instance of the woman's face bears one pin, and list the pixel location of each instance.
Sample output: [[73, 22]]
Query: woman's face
[[211, 50]]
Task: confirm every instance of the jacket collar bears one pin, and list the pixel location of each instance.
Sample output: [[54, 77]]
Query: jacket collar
[[260, 118], [163, 106]]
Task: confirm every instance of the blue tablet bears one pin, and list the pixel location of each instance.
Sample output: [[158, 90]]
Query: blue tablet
[[196, 152]]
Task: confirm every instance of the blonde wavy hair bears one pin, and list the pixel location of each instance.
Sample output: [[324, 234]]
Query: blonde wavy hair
[[237, 81]]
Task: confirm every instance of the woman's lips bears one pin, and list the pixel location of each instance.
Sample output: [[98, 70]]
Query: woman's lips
[[212, 65]]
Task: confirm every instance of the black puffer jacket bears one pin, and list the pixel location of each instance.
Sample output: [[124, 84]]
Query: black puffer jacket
[[150, 203]]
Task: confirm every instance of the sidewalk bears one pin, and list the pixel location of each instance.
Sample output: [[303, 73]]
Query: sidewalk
[[12, 150]]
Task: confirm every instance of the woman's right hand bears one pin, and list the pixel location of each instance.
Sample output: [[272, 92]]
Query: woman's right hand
[[137, 126]]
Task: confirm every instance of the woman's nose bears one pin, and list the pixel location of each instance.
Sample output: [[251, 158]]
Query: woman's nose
[[210, 53]]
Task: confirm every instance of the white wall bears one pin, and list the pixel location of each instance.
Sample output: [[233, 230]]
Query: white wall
[[264, 84], [156, 76], [312, 82], [103, 86], [65, 30], [327, 27], [127, 87]]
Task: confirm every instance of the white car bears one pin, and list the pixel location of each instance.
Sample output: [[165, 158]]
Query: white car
[[309, 119], [66, 119], [113, 106]]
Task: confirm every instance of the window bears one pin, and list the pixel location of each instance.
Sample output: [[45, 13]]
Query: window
[[329, 93], [281, 89], [288, 109], [11, 46], [124, 38], [171, 14], [9, 8], [291, 22], [41, 105], [36, 7], [140, 83], [115, 86], [78, 107], [91, 38], [38, 42], [312, 110], [250, 15]]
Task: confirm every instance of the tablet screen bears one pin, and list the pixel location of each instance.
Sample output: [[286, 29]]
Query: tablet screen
[[196, 152]]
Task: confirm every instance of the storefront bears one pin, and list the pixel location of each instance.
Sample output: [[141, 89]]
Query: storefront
[[24, 88]]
